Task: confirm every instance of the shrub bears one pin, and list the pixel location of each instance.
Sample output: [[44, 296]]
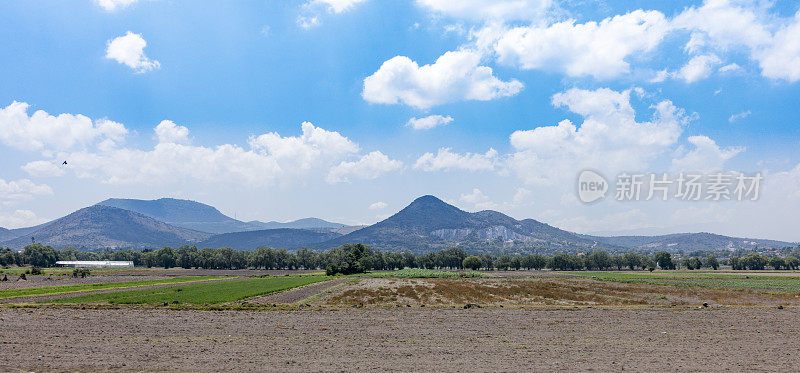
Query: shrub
[[81, 272], [35, 271]]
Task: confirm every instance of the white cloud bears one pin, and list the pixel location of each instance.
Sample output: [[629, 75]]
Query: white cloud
[[19, 219], [724, 25], [609, 139], [781, 59], [338, 6], [44, 168], [369, 166], [111, 5], [129, 50], [706, 156], [699, 67], [22, 189], [739, 116], [445, 160], [271, 159], [307, 22], [521, 196], [428, 122], [455, 76], [588, 49], [494, 10], [479, 200], [378, 205], [169, 132], [42, 131], [730, 68]]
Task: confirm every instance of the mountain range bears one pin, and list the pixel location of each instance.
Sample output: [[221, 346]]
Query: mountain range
[[426, 224]]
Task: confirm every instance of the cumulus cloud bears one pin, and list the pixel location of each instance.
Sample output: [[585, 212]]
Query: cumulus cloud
[[22, 189], [169, 132], [478, 199], [699, 67], [592, 49], [723, 25], [129, 50], [44, 168], [609, 139], [494, 10], [111, 5], [445, 160], [455, 76], [42, 131], [270, 159], [706, 156], [378, 205], [19, 219], [428, 122], [369, 166]]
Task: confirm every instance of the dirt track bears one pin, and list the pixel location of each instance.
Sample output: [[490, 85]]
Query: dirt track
[[401, 340]]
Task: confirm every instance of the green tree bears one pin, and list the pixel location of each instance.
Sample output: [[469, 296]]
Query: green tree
[[472, 262], [664, 260], [712, 262]]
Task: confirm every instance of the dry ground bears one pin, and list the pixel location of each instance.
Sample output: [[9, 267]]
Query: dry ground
[[407, 339], [542, 291], [529, 321]]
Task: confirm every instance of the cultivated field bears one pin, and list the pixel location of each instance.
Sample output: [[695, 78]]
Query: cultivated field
[[410, 320]]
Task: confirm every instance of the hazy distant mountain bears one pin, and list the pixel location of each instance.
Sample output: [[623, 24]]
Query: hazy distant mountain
[[98, 227], [6, 234], [183, 213], [307, 223], [282, 238], [690, 242], [201, 217], [429, 223]]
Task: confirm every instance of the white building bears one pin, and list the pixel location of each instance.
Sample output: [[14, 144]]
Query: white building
[[94, 264]]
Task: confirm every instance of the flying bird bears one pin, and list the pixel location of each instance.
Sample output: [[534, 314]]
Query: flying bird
[[65, 162]]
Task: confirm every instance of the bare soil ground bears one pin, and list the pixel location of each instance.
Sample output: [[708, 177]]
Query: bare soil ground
[[407, 339], [542, 291]]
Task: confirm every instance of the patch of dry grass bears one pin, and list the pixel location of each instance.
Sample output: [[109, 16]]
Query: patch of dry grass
[[542, 291]]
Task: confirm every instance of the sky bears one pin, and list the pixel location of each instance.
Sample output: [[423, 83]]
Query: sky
[[348, 110]]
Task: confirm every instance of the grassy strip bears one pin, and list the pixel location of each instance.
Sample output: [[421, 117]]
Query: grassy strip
[[50, 290], [424, 273], [765, 283], [211, 293]]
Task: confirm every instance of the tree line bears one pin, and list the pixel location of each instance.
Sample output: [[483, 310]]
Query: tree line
[[352, 258]]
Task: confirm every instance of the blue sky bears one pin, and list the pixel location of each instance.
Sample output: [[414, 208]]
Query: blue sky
[[236, 80]]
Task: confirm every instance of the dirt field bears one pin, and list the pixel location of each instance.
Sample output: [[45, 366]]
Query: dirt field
[[553, 291], [407, 339], [522, 321]]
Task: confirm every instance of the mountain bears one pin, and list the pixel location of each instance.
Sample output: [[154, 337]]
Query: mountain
[[307, 223], [428, 223], [6, 234], [201, 217], [282, 238], [182, 213], [690, 242], [98, 227]]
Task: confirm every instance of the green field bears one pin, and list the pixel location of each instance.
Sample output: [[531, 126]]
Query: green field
[[702, 279], [424, 273], [210, 293], [49, 290]]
